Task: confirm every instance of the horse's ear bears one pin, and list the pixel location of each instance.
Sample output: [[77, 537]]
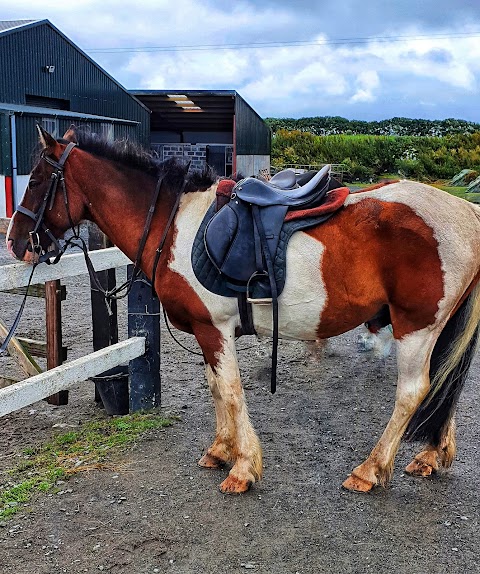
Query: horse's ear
[[70, 134], [47, 141]]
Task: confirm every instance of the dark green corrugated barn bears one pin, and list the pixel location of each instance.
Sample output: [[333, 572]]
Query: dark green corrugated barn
[[45, 78]]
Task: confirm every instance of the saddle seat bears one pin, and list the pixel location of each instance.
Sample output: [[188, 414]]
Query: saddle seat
[[280, 191]]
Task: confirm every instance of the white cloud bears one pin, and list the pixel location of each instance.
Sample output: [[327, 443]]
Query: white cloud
[[292, 80], [367, 81]]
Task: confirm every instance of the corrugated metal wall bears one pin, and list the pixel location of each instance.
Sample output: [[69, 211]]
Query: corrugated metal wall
[[25, 54], [27, 136], [5, 146], [253, 136]]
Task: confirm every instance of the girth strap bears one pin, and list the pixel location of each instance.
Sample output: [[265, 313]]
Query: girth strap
[[273, 288]]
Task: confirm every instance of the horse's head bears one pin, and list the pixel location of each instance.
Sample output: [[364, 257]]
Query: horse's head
[[46, 210]]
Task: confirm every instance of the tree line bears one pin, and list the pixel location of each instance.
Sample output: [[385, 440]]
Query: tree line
[[334, 125]]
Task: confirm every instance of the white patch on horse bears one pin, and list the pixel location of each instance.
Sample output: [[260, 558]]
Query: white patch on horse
[[304, 296], [191, 212], [454, 224]]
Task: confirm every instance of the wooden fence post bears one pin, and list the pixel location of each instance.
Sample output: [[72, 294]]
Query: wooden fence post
[[53, 312], [105, 326], [144, 321]]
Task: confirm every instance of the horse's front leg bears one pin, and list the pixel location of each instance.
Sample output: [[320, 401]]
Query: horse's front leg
[[413, 356], [220, 452], [235, 440]]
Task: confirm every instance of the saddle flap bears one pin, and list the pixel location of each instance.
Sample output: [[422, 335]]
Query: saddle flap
[[230, 243]]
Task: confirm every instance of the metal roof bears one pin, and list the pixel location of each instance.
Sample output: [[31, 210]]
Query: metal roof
[[6, 25], [189, 110], [51, 112]]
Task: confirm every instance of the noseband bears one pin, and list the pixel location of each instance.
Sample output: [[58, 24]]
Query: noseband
[[38, 217]]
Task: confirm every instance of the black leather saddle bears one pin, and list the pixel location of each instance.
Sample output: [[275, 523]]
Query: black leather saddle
[[237, 237], [283, 189]]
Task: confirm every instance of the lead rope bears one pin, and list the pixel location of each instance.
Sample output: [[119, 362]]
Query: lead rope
[[3, 348]]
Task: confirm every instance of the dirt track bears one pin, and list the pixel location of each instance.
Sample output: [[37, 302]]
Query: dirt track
[[162, 513]]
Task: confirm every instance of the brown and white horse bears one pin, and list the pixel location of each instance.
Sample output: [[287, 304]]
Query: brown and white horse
[[406, 251]]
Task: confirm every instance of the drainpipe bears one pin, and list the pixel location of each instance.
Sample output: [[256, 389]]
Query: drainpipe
[[234, 141], [11, 194]]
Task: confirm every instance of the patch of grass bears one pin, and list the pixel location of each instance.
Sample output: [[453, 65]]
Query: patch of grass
[[85, 449], [460, 192]]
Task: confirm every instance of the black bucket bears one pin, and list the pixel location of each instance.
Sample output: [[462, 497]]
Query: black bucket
[[112, 386]]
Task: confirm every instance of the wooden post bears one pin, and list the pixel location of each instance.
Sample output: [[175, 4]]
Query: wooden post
[[53, 312], [104, 325], [144, 321]]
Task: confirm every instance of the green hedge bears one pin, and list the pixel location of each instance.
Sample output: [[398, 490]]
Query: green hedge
[[425, 158]]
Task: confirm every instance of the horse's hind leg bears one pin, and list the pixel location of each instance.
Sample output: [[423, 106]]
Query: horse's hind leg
[[413, 355], [436, 455]]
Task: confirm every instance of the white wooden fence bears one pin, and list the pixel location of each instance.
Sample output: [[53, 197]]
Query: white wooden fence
[[45, 384]]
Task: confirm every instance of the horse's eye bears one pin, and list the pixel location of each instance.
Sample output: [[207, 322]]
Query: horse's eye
[[33, 183]]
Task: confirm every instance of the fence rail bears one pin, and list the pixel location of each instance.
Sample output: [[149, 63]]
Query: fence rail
[[42, 385], [17, 274]]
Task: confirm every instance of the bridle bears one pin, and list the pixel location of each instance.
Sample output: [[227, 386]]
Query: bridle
[[38, 217], [53, 256]]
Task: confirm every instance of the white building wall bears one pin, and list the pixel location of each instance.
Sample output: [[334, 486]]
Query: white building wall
[[3, 208]]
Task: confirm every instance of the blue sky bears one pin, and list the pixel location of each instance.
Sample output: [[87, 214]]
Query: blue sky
[[367, 60]]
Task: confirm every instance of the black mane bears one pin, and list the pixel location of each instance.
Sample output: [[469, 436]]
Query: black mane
[[133, 155]]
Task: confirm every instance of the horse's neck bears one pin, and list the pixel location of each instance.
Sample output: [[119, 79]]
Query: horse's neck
[[120, 211], [122, 217]]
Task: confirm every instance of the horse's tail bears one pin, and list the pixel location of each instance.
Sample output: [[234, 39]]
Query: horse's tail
[[449, 365]]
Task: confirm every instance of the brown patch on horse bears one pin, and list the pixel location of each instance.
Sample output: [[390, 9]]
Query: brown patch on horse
[[182, 304], [361, 278]]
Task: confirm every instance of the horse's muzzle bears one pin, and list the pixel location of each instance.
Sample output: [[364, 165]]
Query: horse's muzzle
[[26, 255]]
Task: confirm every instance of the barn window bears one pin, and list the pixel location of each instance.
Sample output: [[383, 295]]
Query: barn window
[[51, 126], [106, 130]]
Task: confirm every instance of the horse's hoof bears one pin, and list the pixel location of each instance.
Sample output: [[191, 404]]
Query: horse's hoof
[[210, 461], [233, 485], [419, 468], [357, 484]]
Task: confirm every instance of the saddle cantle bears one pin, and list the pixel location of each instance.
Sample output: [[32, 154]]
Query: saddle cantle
[[266, 194]]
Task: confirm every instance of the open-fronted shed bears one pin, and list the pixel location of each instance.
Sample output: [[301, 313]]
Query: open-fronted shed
[[218, 127]]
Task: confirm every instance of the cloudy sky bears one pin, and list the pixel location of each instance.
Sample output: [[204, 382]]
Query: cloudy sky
[[361, 59]]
